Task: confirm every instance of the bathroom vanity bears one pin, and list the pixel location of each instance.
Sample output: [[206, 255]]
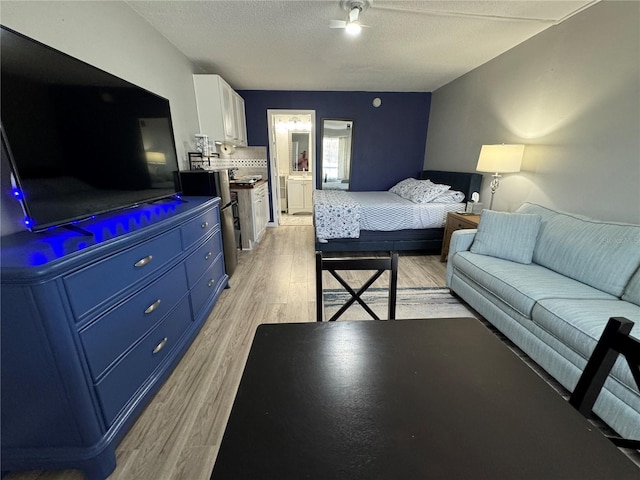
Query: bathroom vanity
[[299, 194]]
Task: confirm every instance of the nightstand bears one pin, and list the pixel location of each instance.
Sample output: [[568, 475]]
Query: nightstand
[[456, 221]]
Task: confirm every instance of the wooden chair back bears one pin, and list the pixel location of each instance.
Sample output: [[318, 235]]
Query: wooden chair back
[[335, 264], [615, 340]]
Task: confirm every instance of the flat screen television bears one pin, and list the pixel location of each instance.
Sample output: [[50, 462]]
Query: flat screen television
[[80, 141]]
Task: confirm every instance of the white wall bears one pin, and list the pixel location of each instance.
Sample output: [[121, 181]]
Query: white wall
[[112, 36], [572, 95]]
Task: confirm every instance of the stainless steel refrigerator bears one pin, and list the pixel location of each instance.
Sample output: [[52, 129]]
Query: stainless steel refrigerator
[[215, 183]]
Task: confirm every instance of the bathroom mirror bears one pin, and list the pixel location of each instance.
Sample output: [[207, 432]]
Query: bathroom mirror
[[299, 144], [335, 161]]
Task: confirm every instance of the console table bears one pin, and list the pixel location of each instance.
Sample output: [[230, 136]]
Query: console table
[[94, 319]]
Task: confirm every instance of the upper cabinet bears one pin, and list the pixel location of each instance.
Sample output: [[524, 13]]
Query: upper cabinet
[[220, 110], [241, 121]]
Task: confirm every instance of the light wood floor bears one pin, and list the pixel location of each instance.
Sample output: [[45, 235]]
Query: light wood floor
[[178, 434]]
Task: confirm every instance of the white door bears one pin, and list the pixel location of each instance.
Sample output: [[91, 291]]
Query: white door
[[275, 183], [295, 196], [307, 192]]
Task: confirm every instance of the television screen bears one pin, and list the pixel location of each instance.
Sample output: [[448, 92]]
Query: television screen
[[80, 141]]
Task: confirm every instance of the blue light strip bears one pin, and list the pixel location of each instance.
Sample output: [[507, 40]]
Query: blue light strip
[[58, 242], [17, 194]]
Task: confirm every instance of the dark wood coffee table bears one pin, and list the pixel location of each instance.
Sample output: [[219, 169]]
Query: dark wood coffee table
[[404, 399]]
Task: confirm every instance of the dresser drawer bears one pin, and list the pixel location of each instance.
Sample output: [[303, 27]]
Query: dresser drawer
[[130, 374], [461, 225], [199, 227], [96, 284], [207, 286], [108, 338], [203, 258]]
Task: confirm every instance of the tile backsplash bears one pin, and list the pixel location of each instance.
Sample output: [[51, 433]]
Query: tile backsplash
[[245, 160], [239, 163]]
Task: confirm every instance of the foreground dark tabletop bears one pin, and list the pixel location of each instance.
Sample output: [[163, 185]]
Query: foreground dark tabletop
[[413, 399]]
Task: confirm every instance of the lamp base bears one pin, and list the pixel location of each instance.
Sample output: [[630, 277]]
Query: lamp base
[[495, 183]]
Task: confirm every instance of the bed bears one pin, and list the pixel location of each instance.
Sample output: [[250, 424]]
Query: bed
[[397, 224]]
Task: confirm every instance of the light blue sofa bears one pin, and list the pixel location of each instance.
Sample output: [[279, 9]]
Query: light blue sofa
[[581, 272]]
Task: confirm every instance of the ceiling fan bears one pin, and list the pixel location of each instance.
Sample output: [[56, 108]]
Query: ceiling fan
[[354, 8]]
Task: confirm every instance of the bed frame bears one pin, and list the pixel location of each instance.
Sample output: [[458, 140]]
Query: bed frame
[[427, 240]]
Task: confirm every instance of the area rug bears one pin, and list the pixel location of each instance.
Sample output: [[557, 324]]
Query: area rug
[[426, 302], [296, 220]]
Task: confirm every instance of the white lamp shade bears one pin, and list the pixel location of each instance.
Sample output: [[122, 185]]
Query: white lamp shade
[[500, 158]]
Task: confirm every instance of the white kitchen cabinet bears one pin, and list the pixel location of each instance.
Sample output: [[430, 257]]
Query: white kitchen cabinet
[[260, 198], [241, 121], [220, 110], [299, 194], [253, 210]]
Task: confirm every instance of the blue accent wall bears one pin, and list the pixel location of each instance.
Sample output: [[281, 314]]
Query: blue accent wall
[[388, 141]]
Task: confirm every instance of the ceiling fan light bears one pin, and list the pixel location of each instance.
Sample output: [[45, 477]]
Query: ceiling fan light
[[353, 28], [354, 14]]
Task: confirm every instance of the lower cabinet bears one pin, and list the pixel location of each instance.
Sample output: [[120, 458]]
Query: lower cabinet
[[299, 195], [91, 327], [253, 209], [261, 209]]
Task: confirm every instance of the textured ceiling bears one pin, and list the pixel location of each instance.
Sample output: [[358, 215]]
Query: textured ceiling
[[287, 45]]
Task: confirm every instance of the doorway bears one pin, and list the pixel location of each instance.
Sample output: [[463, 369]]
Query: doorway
[[292, 155]]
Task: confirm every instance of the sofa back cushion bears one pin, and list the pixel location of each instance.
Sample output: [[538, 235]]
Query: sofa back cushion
[[511, 236], [632, 291], [602, 254]]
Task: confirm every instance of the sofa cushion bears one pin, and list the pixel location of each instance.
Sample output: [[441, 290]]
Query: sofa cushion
[[520, 286], [511, 236], [632, 290], [579, 324], [601, 254]]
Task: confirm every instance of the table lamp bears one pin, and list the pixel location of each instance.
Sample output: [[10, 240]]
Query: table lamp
[[499, 159]]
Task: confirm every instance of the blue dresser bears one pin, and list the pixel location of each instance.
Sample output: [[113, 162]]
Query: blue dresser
[[94, 319]]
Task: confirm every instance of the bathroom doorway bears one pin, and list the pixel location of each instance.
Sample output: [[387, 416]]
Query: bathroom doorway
[[292, 155]]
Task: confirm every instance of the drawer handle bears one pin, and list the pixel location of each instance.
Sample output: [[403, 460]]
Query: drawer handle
[[153, 306], [211, 283], [161, 345], [143, 261], [208, 256], [205, 225]]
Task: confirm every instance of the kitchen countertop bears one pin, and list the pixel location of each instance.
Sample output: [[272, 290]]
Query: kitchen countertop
[[246, 186]]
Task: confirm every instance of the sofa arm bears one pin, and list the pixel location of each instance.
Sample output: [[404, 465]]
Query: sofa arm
[[461, 241]]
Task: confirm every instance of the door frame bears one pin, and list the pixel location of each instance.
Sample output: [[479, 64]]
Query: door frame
[[273, 159]]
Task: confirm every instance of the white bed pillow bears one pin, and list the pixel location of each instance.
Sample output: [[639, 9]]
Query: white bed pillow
[[425, 191], [404, 187], [419, 191], [449, 196]]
